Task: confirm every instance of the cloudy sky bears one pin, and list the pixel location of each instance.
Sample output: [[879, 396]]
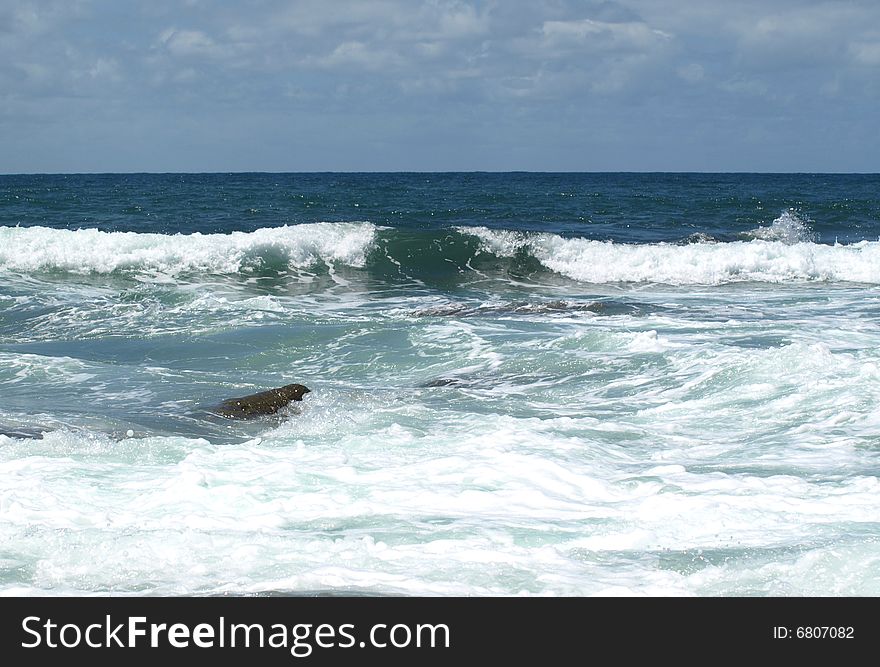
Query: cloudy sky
[[424, 85]]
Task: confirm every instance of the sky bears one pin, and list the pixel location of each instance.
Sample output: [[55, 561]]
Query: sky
[[439, 85]]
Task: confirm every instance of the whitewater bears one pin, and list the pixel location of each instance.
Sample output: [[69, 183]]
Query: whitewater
[[503, 402]]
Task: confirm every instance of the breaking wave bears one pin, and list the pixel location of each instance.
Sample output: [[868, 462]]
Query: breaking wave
[[85, 251], [790, 227], [689, 264], [781, 252]]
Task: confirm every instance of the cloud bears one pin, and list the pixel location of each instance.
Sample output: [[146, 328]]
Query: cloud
[[190, 43], [632, 35], [346, 17], [446, 21], [507, 69], [866, 53], [742, 86], [578, 58], [35, 72], [555, 49], [358, 55], [105, 68], [692, 72]]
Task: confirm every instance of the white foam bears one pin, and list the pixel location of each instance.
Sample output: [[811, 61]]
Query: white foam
[[15, 368], [486, 504], [647, 341], [82, 251], [384, 493], [675, 453], [790, 227], [692, 264]]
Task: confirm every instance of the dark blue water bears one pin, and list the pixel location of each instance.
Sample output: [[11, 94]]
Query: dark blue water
[[631, 208]]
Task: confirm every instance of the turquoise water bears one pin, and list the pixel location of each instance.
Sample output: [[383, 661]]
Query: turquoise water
[[522, 384]]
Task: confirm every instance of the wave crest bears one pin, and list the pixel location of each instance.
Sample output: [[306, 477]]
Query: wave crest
[[395, 253], [691, 264], [790, 227], [83, 251]]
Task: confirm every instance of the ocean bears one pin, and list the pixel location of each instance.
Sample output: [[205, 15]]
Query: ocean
[[521, 384]]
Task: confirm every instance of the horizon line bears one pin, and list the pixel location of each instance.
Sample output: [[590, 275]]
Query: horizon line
[[419, 171]]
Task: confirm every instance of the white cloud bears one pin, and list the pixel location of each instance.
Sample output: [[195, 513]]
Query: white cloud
[[35, 72], [563, 42], [318, 17], [27, 19], [692, 72], [360, 55], [495, 61], [866, 53], [186, 75], [742, 86], [105, 68], [190, 43], [815, 35], [630, 35], [572, 58], [430, 49], [445, 21]]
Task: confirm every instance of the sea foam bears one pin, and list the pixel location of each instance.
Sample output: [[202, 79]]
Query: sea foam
[[790, 227], [758, 260], [84, 251]]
